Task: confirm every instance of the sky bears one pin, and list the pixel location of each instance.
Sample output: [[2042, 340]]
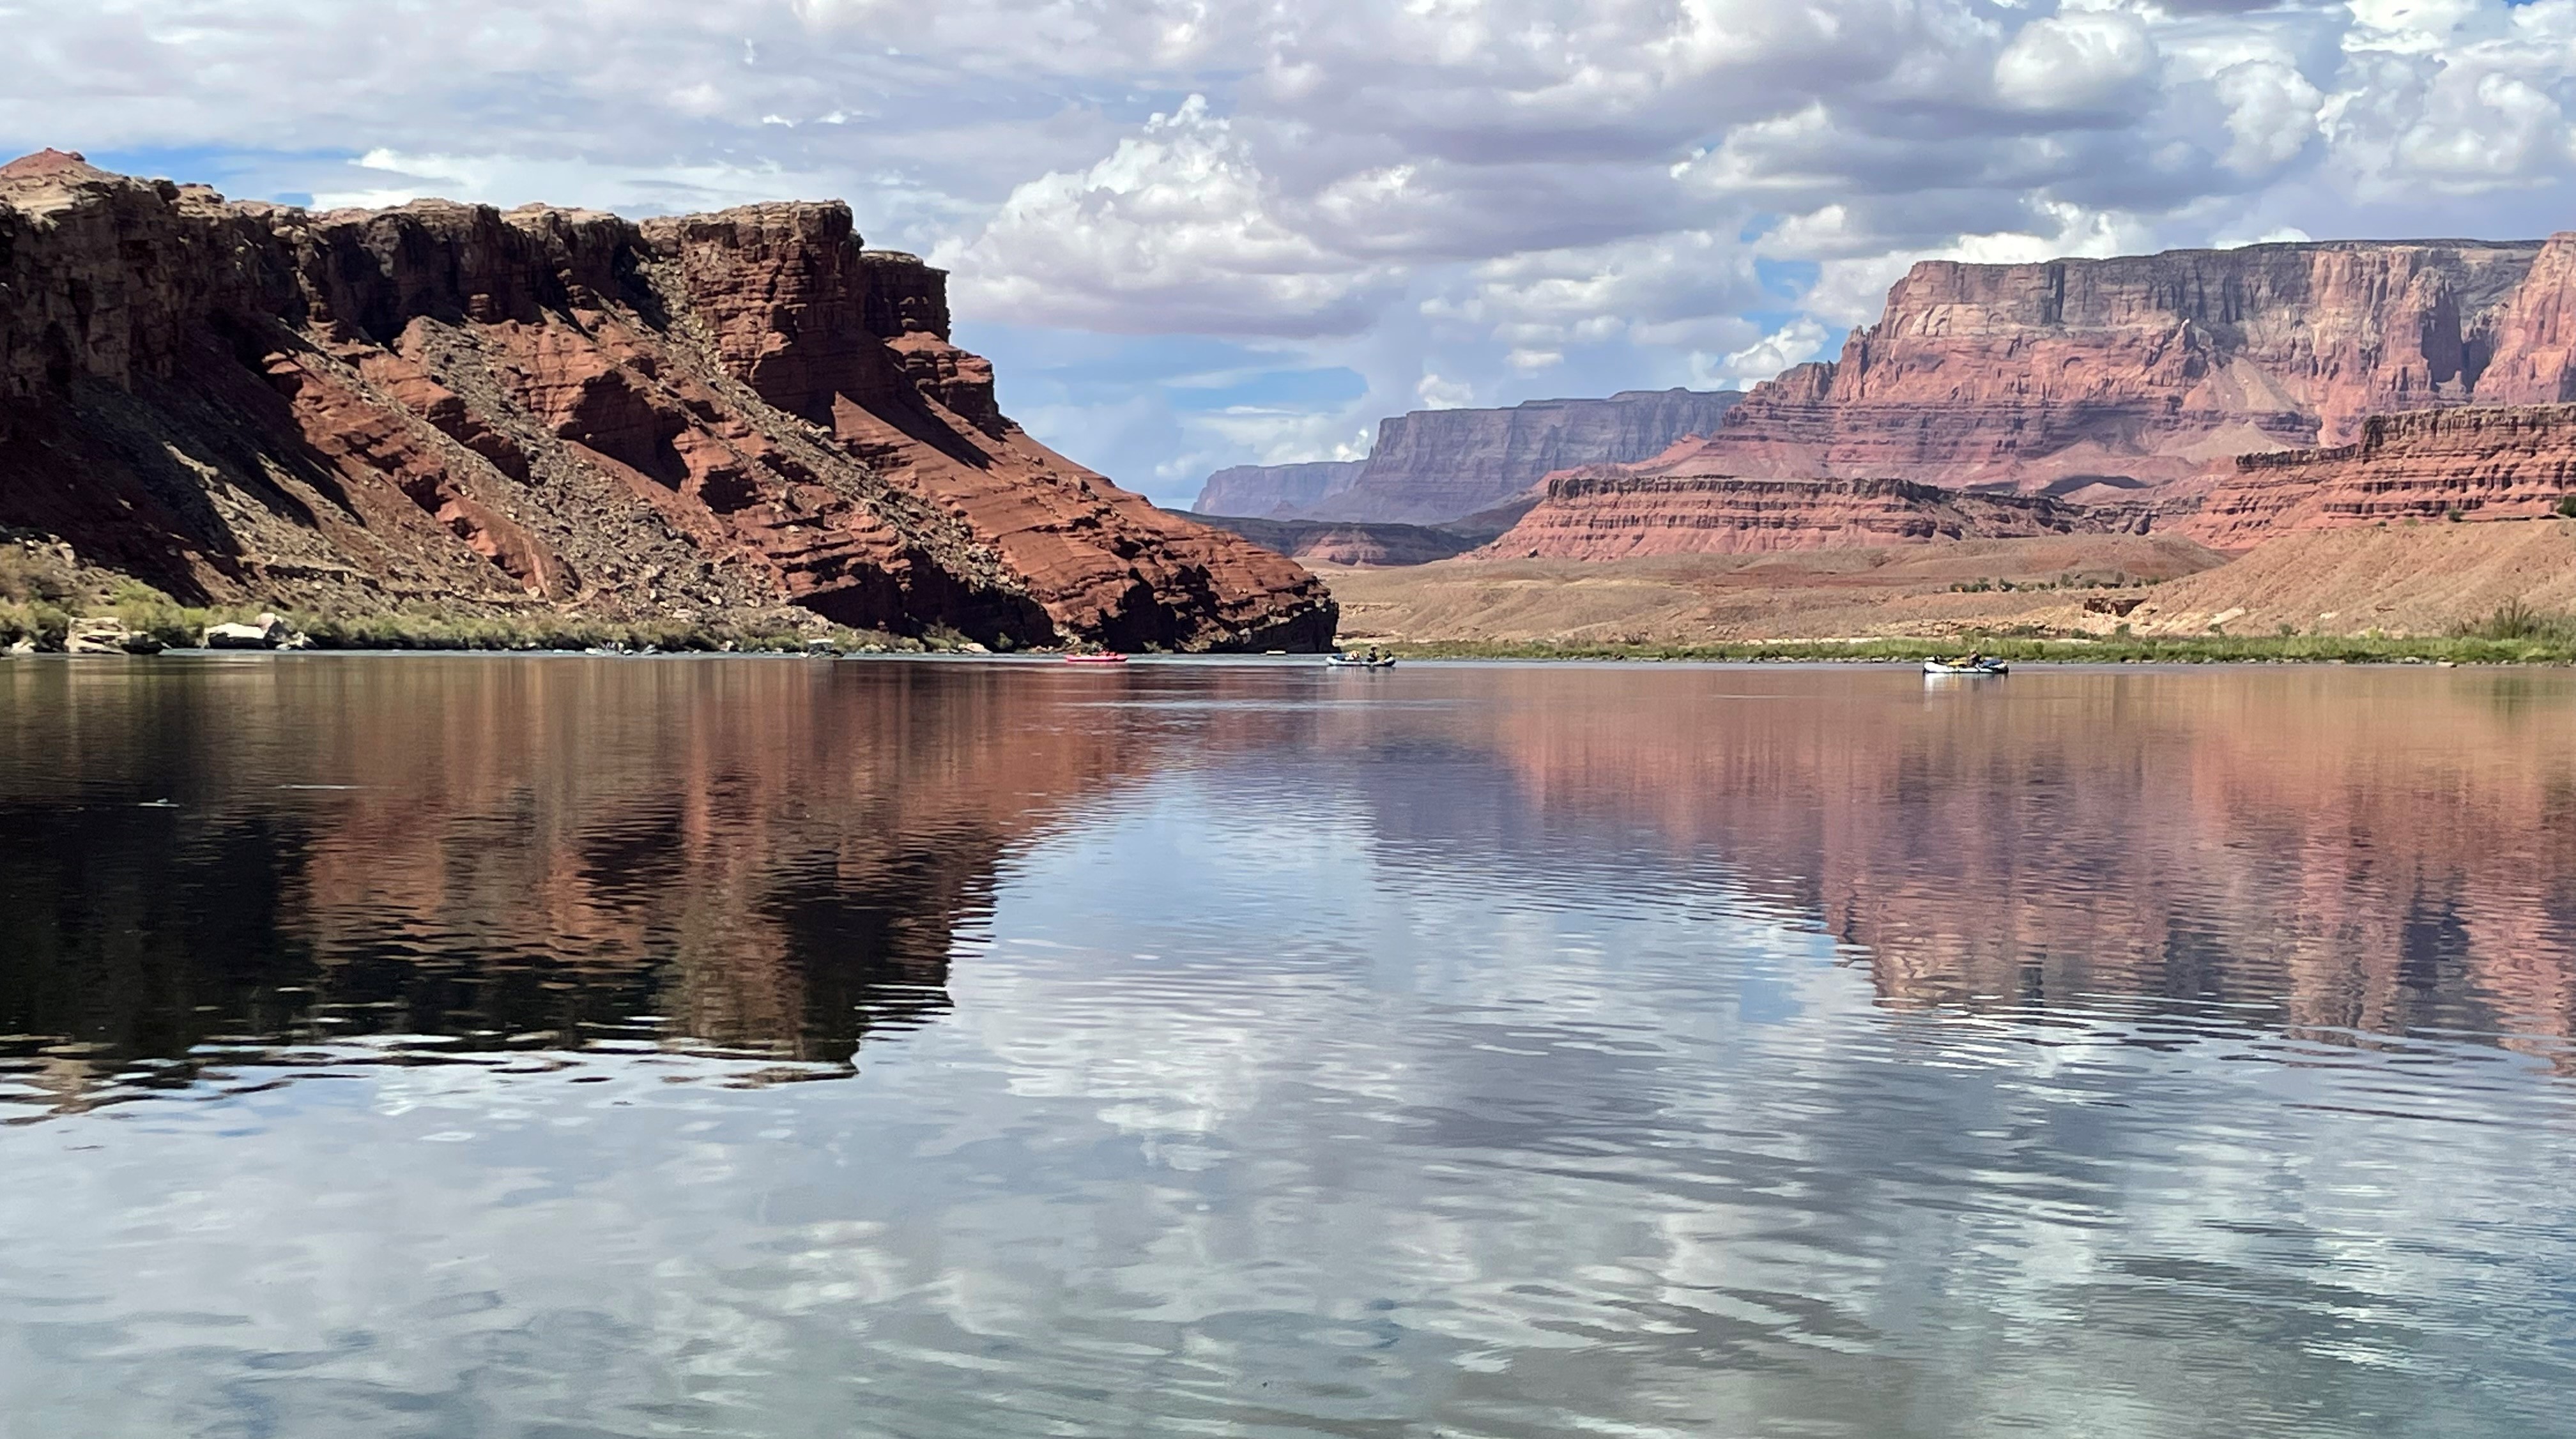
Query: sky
[[1195, 233]]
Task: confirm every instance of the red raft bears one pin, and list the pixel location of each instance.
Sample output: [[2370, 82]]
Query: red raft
[[1095, 659]]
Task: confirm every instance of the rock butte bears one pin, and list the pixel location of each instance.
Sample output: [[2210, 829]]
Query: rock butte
[[449, 403]]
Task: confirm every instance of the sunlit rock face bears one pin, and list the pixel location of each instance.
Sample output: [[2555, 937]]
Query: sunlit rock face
[[2230, 395], [2143, 369], [732, 412], [1613, 514], [2505, 462]]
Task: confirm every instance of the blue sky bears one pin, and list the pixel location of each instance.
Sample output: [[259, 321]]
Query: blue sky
[[1193, 233]]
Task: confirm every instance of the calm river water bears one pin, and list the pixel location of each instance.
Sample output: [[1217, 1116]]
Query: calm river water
[[549, 1046]]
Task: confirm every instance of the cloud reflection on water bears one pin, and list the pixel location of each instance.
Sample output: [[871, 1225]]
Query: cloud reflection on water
[[1589, 1049]]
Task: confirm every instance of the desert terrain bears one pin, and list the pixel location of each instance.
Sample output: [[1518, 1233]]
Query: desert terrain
[[2426, 580]]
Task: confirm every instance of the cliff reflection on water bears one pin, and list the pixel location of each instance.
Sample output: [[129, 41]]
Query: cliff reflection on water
[[2335, 849], [385, 1047], [760, 860], [769, 861]]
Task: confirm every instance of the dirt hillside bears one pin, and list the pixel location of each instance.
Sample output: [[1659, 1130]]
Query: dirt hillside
[[2405, 579], [1685, 599]]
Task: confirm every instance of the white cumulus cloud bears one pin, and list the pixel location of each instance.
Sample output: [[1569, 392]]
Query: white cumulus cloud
[[1177, 229], [1517, 197]]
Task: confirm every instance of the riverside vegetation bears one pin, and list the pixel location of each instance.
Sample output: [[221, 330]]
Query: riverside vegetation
[[2513, 634], [44, 590]]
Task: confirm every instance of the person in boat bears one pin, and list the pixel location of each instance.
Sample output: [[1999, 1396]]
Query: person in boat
[[1975, 660]]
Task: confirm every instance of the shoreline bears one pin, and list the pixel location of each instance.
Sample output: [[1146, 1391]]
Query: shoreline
[[2114, 650], [1794, 654]]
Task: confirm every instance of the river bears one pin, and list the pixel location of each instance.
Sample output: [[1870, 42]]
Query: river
[[556, 1046]]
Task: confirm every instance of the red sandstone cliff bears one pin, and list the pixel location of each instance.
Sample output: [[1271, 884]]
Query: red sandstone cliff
[[729, 412], [2484, 463], [1611, 514], [2144, 368]]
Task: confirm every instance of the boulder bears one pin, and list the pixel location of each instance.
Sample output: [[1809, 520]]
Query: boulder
[[270, 633], [97, 635]]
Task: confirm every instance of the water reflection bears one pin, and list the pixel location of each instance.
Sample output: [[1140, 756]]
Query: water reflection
[[760, 859], [773, 859], [1240, 1050], [2350, 850]]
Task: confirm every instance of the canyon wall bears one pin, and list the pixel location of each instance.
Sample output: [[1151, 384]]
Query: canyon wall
[[1435, 466], [1275, 491], [1612, 513], [2142, 369], [442, 404], [1351, 542], [2483, 463]]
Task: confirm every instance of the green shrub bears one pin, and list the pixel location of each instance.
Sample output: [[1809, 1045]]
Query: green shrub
[[147, 611], [2515, 620], [34, 620]]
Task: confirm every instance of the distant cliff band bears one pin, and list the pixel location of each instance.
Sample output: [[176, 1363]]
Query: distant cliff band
[[2228, 395]]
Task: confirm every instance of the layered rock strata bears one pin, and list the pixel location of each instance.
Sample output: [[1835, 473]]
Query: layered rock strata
[[446, 403], [1435, 466], [1275, 491], [2143, 369], [1609, 514], [2483, 463], [1352, 542]]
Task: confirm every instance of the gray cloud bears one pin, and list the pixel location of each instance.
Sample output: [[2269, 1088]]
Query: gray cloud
[[1352, 171]]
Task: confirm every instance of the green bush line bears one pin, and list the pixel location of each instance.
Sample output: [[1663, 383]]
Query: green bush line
[[39, 603], [411, 631], [2513, 634], [2211, 649], [149, 612]]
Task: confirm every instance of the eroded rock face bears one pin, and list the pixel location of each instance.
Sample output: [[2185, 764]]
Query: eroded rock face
[[441, 402], [2145, 368], [1433, 466], [1275, 491], [1613, 513], [1352, 542], [2483, 463]]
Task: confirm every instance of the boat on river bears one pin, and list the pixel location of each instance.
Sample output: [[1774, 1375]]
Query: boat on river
[[1099, 659], [1980, 667], [1360, 662]]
